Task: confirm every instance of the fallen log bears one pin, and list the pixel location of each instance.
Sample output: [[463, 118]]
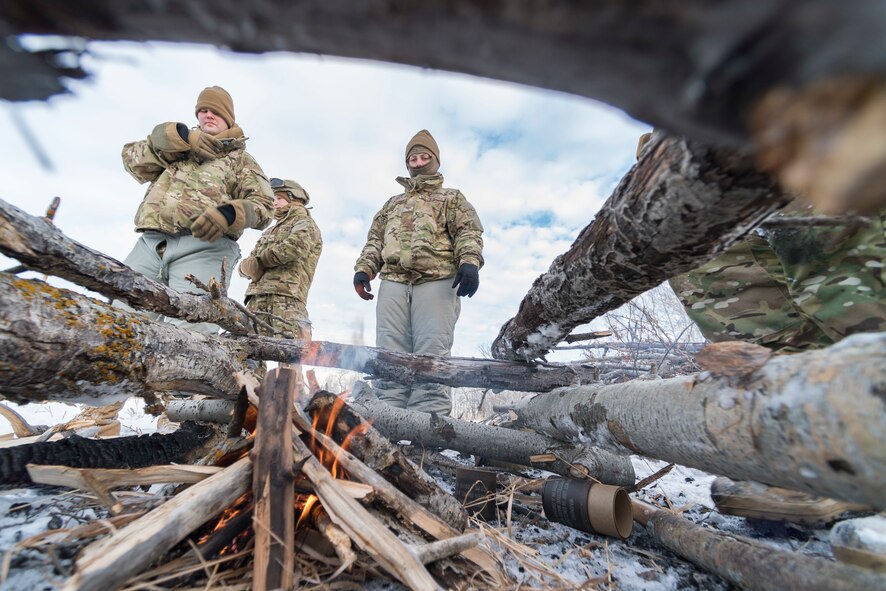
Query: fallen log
[[497, 443], [801, 79], [136, 451], [812, 422], [59, 345], [108, 563], [405, 368], [273, 484], [41, 246], [679, 206], [749, 564]]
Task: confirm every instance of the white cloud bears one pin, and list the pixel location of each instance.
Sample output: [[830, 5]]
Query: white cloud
[[339, 127]]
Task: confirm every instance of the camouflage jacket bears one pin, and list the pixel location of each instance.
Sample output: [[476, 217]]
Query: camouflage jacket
[[181, 190], [288, 252], [423, 234]]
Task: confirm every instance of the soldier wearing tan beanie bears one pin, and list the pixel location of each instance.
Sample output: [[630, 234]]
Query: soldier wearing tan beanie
[[426, 245], [204, 191]]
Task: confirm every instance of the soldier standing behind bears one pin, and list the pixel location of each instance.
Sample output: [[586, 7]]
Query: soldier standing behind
[[418, 242], [282, 264], [204, 191]]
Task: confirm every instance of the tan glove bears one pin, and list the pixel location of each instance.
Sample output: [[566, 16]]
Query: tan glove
[[251, 268], [166, 138], [210, 226], [204, 146]]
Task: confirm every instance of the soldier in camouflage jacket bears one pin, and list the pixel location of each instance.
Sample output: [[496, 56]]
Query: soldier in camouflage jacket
[[426, 245], [204, 191], [282, 264]]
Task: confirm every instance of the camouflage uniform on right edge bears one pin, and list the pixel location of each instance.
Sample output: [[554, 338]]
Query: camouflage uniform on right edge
[[793, 288]]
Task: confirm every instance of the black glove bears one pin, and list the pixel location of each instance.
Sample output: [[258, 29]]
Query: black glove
[[362, 286], [467, 279]]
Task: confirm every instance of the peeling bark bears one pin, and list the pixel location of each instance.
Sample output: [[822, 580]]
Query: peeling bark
[[813, 422], [678, 207]]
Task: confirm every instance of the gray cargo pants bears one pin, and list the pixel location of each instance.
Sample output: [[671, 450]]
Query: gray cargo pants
[[167, 259], [416, 319]]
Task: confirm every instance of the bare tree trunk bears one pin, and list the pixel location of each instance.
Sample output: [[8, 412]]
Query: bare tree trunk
[[749, 564], [497, 443], [41, 246], [813, 422], [680, 205], [58, 345], [405, 368]]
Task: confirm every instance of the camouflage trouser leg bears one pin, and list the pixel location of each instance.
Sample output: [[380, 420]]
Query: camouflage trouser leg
[[417, 319], [168, 259], [285, 315], [742, 295]]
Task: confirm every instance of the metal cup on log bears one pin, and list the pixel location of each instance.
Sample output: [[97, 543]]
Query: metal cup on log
[[588, 506]]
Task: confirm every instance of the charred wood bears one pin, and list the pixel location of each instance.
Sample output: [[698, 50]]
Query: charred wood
[[374, 449], [405, 368], [811, 422], [136, 451], [678, 207]]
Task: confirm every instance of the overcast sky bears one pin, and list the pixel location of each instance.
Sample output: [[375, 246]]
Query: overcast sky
[[535, 164]]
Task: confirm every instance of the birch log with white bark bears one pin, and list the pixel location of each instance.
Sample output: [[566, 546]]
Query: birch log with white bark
[[43, 247], [679, 206], [497, 443], [813, 422], [59, 345]]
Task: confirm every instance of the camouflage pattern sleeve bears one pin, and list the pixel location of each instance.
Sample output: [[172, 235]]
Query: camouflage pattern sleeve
[[142, 162], [252, 194], [465, 231], [301, 238], [370, 261]]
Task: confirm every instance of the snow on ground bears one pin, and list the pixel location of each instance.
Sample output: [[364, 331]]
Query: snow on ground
[[637, 564]]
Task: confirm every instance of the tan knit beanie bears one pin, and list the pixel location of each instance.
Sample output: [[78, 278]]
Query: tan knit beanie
[[217, 100], [423, 139]]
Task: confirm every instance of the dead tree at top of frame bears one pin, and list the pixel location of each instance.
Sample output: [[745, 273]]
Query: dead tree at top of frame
[[680, 205], [803, 81]]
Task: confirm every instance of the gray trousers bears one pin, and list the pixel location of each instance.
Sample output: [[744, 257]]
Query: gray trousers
[[416, 319], [167, 259]]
